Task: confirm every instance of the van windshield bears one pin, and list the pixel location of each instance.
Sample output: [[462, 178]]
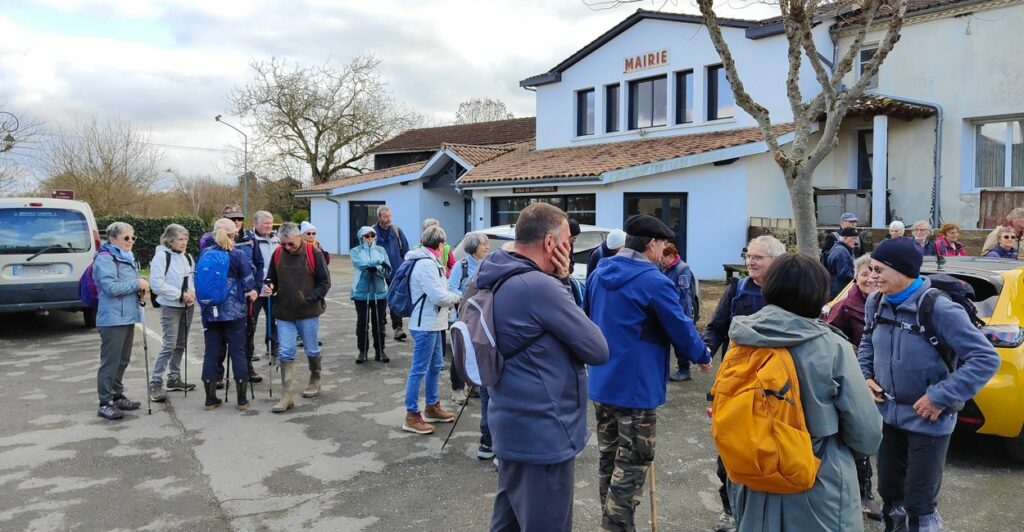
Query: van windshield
[[29, 230]]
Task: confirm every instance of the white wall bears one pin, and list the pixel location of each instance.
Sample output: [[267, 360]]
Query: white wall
[[324, 215], [451, 217], [404, 201]]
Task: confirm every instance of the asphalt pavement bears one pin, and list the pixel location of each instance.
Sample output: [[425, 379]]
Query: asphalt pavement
[[336, 462]]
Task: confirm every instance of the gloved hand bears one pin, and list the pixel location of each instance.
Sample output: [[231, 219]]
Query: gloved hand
[[372, 269]]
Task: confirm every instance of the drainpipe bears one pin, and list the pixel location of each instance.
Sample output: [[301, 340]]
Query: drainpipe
[[338, 203], [936, 204]]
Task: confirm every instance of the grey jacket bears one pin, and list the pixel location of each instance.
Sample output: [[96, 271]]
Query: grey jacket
[[906, 366], [840, 415]]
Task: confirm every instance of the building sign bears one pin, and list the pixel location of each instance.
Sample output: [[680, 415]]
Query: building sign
[[533, 190], [645, 61], [62, 194]]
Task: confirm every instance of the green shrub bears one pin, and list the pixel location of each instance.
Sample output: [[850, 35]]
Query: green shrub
[[148, 231], [300, 215]]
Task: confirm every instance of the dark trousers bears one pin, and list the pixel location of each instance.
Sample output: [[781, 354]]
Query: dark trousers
[[218, 333], [681, 361], [485, 429], [457, 382], [115, 354], [723, 491], [864, 473], [626, 439], [533, 497], [909, 476], [261, 305], [396, 320], [366, 311]]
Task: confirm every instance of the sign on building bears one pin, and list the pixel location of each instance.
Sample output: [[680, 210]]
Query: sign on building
[[645, 61]]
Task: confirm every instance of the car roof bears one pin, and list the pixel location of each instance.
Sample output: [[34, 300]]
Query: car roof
[[509, 230], [971, 265]]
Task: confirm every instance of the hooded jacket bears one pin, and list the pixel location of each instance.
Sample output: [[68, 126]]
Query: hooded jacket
[[430, 313], [117, 284], [999, 252], [241, 281], [167, 286], [637, 308], [393, 241], [949, 249], [247, 243], [840, 267], [906, 366], [840, 416], [848, 315], [538, 410], [372, 269]]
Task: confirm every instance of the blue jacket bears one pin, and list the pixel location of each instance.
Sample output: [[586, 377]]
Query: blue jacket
[[638, 310], [247, 243], [999, 253], [906, 366], [396, 247], [364, 257], [682, 278], [538, 410], [840, 267], [240, 275], [460, 278], [117, 283]]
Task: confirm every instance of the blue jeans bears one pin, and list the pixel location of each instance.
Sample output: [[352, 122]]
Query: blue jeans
[[287, 331], [426, 360], [485, 430]]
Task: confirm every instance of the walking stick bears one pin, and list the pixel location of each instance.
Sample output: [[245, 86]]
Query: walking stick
[[227, 375], [145, 353], [184, 362], [456, 422], [248, 361], [270, 351], [654, 504]]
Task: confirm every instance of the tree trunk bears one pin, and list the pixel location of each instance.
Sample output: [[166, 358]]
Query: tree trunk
[[799, 179]]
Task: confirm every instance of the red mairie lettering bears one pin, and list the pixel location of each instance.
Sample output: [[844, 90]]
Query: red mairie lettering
[[645, 61]]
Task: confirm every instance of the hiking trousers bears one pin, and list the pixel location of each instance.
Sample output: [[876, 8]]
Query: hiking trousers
[[533, 497], [115, 354], [909, 477], [625, 440]]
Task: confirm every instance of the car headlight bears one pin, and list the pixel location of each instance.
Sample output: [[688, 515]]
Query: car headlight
[[1004, 335]]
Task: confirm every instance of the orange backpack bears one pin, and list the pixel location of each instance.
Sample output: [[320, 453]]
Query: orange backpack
[[758, 423]]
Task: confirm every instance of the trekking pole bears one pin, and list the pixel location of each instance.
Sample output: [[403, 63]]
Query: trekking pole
[[456, 422], [145, 354], [248, 362], [184, 364], [654, 504], [227, 376], [270, 352]]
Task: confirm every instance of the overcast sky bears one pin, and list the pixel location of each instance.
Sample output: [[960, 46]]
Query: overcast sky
[[168, 66]]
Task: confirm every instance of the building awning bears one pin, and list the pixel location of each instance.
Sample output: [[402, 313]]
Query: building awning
[[872, 105]]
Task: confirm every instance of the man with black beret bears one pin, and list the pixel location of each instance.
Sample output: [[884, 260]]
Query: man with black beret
[[638, 310], [840, 259]]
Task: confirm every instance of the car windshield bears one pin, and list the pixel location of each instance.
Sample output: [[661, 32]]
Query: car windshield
[[30, 230]]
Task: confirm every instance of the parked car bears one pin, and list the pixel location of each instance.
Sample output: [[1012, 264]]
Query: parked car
[[998, 284], [45, 246], [590, 237]]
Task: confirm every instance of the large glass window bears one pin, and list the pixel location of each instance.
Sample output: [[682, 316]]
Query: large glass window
[[33, 229], [720, 101], [582, 207], [999, 154], [648, 102], [585, 112], [684, 97], [611, 108], [360, 213]]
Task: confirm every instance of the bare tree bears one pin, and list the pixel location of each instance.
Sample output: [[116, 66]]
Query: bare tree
[[323, 117], [16, 162], [801, 158], [112, 166], [481, 110], [203, 195]]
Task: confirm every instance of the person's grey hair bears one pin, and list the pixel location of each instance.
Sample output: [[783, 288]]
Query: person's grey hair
[[382, 208], [537, 221], [772, 245], [261, 215], [171, 234], [288, 230], [429, 222], [472, 242], [637, 243], [117, 229], [864, 261], [432, 237], [921, 224], [1016, 213], [897, 226]]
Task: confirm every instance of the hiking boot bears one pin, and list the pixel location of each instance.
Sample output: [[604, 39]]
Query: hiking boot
[[157, 393], [178, 385], [240, 397], [287, 387], [382, 357], [872, 509], [313, 389], [436, 414], [255, 377], [725, 523], [414, 423], [400, 335], [681, 375], [109, 411], [361, 357], [255, 357], [484, 452], [220, 384], [212, 401], [474, 393], [123, 403], [459, 397]]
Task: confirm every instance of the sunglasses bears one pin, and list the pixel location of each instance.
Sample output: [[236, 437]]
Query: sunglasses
[[130, 238], [237, 219], [312, 233], [876, 269], [369, 236]]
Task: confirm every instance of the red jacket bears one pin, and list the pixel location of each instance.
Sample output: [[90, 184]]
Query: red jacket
[[956, 249], [848, 315]]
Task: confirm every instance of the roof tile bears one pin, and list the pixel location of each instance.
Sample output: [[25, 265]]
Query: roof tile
[[478, 134], [364, 178]]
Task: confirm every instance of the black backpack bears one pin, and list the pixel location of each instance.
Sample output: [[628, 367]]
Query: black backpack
[[167, 268], [942, 285], [824, 252]]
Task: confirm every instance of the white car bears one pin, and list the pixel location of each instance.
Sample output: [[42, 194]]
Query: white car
[[590, 237]]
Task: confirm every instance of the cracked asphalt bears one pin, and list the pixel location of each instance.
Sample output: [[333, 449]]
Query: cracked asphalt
[[336, 462]]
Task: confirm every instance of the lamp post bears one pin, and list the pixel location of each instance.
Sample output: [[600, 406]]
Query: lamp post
[[245, 164], [8, 126]]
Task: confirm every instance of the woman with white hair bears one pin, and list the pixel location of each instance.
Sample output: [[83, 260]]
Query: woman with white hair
[[922, 232], [172, 271], [896, 230], [119, 289]]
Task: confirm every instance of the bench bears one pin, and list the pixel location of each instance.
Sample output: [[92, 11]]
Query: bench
[[738, 269]]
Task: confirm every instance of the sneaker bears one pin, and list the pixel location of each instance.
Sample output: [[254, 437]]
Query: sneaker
[[123, 403], [680, 375], [178, 385], [495, 462], [414, 423], [459, 397], [109, 411], [400, 335], [255, 377], [255, 357], [436, 414], [725, 523], [157, 393], [484, 452]]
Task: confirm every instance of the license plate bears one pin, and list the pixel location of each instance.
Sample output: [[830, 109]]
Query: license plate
[[41, 270]]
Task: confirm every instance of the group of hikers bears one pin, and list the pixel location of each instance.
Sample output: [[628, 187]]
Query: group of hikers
[[800, 403]]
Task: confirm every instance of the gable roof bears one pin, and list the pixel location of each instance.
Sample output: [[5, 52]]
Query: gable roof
[[477, 134], [474, 155], [346, 181]]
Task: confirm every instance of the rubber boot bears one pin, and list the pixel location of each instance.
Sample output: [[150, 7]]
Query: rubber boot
[[287, 387], [361, 357], [242, 399], [212, 401], [313, 389]]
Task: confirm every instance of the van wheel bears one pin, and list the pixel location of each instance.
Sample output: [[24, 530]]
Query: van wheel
[[1015, 448], [89, 315]]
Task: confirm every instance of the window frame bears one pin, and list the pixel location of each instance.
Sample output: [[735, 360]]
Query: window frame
[[712, 99], [586, 112], [631, 97], [1008, 121], [872, 49], [684, 94], [612, 114]]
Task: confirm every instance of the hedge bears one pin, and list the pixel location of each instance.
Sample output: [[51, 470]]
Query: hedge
[[148, 231]]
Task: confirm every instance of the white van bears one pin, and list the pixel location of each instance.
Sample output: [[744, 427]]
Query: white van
[[45, 246]]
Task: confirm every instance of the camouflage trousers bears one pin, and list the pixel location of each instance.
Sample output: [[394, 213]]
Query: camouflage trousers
[[625, 439]]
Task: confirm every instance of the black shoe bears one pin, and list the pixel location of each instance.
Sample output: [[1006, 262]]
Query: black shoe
[[382, 357], [109, 411], [178, 385], [212, 401], [400, 335], [123, 403], [220, 384], [361, 357], [254, 377]]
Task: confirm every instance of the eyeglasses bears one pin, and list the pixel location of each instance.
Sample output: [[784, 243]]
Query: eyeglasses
[[876, 269], [753, 258], [129, 238]]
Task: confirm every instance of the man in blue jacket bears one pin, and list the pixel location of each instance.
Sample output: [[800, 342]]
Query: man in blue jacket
[[917, 394], [538, 410], [393, 241], [638, 310]]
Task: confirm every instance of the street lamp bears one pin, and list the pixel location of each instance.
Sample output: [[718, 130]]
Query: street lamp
[[8, 126], [245, 163]]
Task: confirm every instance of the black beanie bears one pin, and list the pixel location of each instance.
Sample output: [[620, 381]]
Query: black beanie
[[900, 254]]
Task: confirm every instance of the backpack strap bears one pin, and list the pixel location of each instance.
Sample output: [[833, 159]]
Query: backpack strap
[[309, 258], [276, 257], [167, 267], [465, 272], [869, 324], [925, 311]]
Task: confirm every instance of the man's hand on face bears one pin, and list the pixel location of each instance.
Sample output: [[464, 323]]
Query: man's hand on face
[[561, 260]]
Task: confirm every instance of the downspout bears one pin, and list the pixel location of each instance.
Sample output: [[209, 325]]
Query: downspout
[[338, 203]]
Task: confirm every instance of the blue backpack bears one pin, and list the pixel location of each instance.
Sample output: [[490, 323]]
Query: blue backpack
[[212, 283], [400, 292]]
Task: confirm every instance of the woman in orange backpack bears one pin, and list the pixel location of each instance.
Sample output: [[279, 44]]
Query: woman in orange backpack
[[840, 416]]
